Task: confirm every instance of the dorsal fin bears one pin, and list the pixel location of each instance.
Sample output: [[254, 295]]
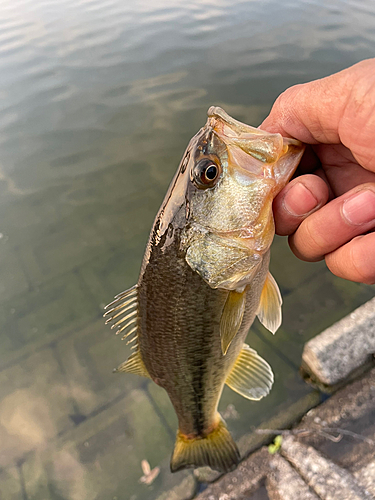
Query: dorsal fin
[[269, 312], [251, 376], [231, 318], [123, 312]]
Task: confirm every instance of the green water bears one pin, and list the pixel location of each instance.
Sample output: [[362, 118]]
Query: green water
[[98, 100]]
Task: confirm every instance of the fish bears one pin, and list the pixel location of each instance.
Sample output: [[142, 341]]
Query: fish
[[203, 280]]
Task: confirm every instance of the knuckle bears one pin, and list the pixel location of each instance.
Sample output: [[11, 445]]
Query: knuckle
[[315, 243], [305, 245], [282, 103]]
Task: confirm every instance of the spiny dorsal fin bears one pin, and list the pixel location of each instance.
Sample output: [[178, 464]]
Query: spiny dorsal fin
[[122, 313], [251, 375], [269, 312], [216, 449], [231, 318], [134, 365]]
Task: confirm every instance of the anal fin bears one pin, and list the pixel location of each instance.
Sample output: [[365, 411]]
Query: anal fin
[[269, 312], [251, 375], [231, 318], [134, 364]]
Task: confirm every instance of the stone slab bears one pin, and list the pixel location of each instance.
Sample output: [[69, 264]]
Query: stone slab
[[284, 483], [343, 427], [333, 354], [242, 482], [326, 478], [366, 477]]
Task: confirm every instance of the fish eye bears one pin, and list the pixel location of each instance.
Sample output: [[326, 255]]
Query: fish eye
[[206, 173]]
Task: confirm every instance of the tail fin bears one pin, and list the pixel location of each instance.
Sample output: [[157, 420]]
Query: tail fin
[[217, 450]]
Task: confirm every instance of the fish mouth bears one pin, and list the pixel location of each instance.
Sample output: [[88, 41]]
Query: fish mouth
[[217, 115], [264, 146]]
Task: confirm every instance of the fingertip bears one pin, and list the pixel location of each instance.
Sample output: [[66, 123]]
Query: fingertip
[[300, 198]]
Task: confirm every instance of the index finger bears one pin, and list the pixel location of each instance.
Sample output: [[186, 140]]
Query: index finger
[[337, 109]]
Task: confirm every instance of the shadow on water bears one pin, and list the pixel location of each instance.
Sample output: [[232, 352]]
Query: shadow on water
[[98, 101]]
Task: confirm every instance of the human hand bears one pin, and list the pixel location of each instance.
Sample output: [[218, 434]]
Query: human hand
[[331, 213]]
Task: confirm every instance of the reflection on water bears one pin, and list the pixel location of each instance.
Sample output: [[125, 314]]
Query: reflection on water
[[98, 100]]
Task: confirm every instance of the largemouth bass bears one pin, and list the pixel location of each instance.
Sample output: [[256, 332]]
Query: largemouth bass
[[204, 279]]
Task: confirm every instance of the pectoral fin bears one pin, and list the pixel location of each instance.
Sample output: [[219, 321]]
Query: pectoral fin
[[269, 312], [251, 375], [134, 365], [231, 318]]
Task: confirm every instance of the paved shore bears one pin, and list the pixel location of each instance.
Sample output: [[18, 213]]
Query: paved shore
[[330, 454]]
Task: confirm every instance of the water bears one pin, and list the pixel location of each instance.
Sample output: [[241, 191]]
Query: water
[[98, 100]]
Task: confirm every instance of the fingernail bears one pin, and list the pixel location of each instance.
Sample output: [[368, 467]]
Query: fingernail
[[299, 200], [360, 208]]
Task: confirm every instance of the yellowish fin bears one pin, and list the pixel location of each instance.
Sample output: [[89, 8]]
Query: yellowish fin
[[134, 365], [217, 450], [269, 312], [251, 376], [231, 318]]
